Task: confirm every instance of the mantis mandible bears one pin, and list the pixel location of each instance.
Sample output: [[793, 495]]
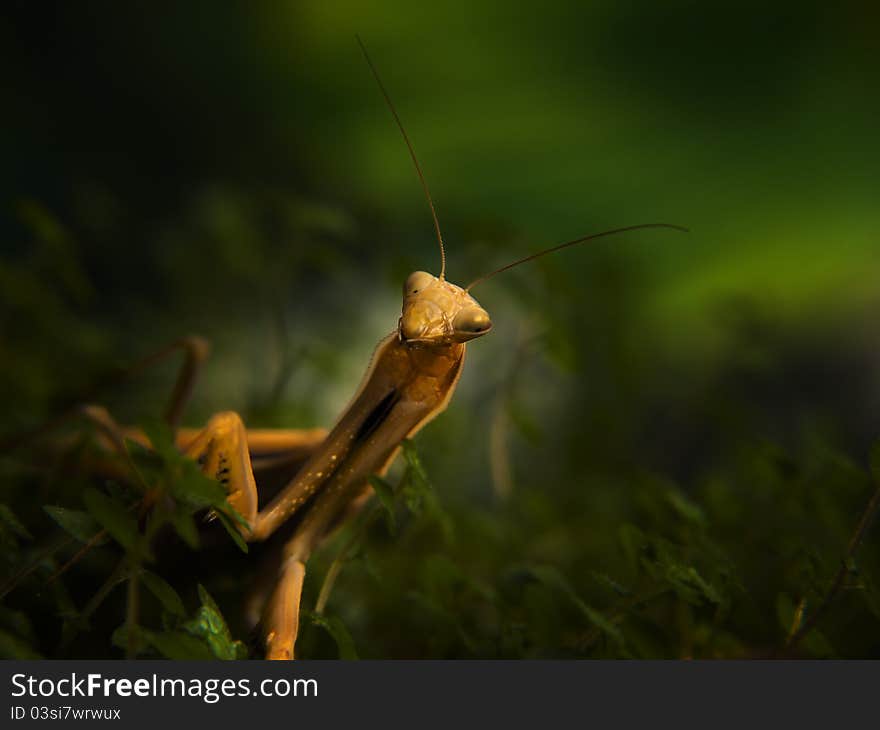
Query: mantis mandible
[[411, 379]]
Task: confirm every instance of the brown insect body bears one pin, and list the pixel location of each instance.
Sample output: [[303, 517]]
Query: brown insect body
[[403, 390], [410, 381]]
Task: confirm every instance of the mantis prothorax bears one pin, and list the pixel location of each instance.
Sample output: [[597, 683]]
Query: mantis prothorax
[[411, 379]]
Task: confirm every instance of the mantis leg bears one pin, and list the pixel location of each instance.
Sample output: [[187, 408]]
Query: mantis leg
[[195, 351], [269, 448], [230, 453], [281, 615], [221, 448], [112, 433]]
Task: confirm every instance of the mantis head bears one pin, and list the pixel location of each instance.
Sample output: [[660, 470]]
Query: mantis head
[[436, 312]]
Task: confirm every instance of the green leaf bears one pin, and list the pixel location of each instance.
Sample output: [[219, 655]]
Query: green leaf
[[334, 626], [415, 487], [208, 600], [553, 579], [192, 486], [690, 585], [77, 523], [143, 638], [185, 526], [137, 450], [686, 509], [414, 462], [232, 530], [209, 625], [235, 516], [186, 481], [818, 645], [164, 592], [162, 440], [115, 518], [146, 464], [18, 623], [9, 521], [414, 484], [181, 645], [385, 492], [177, 645], [13, 647]]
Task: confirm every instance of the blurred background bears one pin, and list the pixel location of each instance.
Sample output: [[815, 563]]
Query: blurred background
[[662, 449]]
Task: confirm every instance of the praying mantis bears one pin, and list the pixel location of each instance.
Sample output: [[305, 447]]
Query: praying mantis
[[410, 381]]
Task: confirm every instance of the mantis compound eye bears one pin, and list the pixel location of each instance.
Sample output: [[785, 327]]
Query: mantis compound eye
[[417, 281], [471, 322]]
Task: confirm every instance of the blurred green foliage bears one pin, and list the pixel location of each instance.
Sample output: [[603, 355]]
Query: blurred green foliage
[[660, 451]]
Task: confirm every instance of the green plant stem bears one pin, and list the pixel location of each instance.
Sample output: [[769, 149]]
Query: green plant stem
[[342, 556], [842, 572], [35, 562], [116, 577], [620, 614]]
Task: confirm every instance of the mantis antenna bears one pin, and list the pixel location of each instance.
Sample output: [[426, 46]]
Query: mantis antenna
[[412, 154], [576, 241]]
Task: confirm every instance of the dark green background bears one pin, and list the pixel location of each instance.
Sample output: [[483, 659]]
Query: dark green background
[[230, 169]]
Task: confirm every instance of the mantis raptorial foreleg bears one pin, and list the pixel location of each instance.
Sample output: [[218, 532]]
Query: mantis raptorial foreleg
[[222, 451]]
